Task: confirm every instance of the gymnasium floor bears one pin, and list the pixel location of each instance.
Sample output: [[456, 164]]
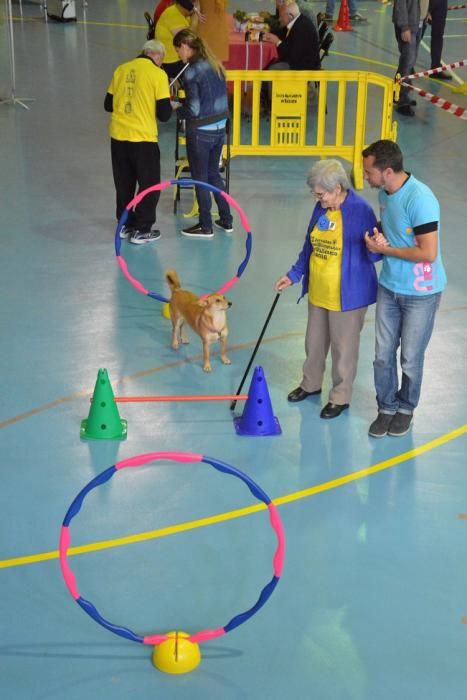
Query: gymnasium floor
[[372, 603]]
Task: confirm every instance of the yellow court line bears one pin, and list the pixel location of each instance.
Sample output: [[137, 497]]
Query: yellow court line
[[365, 59], [84, 22], [241, 512]]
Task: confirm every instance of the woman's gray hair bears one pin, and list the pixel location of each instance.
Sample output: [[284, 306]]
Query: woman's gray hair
[[154, 46], [328, 174]]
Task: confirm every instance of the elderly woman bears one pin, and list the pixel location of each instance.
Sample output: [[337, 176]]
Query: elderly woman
[[339, 276]]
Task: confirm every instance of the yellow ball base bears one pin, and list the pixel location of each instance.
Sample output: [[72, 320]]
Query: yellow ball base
[[166, 311], [177, 654]]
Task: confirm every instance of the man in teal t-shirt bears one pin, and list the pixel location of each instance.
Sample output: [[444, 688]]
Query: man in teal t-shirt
[[410, 284]]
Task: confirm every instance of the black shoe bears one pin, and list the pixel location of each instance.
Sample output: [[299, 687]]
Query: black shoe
[[400, 424], [380, 426], [406, 110], [223, 226], [197, 231], [299, 394], [441, 76], [332, 410], [412, 103]]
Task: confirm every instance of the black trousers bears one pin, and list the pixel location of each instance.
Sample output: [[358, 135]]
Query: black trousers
[[438, 10], [136, 164]]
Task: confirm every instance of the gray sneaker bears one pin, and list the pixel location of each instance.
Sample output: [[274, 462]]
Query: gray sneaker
[[379, 428], [358, 18], [142, 237], [400, 424]]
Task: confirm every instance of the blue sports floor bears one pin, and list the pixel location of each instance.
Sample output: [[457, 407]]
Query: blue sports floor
[[372, 603]]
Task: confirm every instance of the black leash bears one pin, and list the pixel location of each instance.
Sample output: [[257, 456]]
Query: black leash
[[258, 343]]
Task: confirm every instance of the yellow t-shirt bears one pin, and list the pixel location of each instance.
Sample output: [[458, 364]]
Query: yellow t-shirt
[[136, 86], [325, 264], [169, 20]]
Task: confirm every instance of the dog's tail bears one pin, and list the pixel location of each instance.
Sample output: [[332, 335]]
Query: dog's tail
[[172, 280]]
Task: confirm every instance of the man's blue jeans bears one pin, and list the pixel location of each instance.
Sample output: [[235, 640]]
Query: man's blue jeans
[[204, 150], [407, 321]]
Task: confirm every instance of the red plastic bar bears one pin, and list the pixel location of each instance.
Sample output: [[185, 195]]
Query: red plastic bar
[[141, 399]]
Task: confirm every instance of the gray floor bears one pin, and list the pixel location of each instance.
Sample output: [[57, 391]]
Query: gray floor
[[372, 603]]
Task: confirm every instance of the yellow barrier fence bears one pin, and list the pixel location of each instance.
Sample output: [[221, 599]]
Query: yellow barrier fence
[[312, 113]]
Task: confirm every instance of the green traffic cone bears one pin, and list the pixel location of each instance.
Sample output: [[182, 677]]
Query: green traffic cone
[[103, 422]]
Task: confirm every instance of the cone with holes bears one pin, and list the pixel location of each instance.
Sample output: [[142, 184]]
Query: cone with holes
[[103, 422], [257, 418], [343, 21]]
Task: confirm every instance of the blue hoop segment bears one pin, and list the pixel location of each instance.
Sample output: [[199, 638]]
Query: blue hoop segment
[[183, 183], [205, 635]]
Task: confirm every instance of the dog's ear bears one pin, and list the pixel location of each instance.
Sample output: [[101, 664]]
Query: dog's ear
[[203, 302]]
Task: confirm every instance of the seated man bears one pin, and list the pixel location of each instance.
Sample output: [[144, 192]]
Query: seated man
[[297, 44]]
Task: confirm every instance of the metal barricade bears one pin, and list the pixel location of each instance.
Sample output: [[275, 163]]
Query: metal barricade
[[312, 113]]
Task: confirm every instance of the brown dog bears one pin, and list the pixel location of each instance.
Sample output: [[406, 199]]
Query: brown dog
[[206, 316]]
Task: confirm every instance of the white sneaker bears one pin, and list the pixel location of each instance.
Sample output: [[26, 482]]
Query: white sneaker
[[142, 237], [126, 232]]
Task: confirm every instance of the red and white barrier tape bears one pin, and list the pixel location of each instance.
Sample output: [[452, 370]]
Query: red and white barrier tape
[[434, 99], [432, 71], [439, 102]]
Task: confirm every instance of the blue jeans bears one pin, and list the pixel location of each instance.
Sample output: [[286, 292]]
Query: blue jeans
[[204, 150], [407, 321], [330, 4]]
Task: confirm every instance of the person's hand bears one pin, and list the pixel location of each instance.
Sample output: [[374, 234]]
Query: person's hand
[[175, 105], [376, 243], [282, 283], [201, 17], [271, 38], [406, 36]]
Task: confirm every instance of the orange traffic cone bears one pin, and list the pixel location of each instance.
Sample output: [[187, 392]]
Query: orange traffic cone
[[343, 21]]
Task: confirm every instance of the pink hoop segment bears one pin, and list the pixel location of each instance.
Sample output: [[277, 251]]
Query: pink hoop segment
[[181, 182], [186, 457]]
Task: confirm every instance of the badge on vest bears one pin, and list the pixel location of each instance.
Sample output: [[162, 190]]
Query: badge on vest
[[324, 224]]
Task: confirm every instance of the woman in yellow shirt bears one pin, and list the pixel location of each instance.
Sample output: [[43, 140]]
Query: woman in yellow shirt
[[339, 277], [180, 15]]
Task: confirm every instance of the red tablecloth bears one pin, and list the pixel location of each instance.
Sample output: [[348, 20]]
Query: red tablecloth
[[251, 55]]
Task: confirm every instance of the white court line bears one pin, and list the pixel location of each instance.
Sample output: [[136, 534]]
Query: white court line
[[454, 75]]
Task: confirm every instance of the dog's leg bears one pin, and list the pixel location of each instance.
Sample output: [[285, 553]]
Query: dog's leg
[[223, 344], [206, 363], [176, 321], [183, 336]]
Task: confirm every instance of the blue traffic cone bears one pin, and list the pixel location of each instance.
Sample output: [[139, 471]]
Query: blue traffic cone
[[257, 418]]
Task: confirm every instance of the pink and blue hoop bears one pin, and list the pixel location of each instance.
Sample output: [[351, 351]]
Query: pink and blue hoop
[[182, 183], [205, 635]]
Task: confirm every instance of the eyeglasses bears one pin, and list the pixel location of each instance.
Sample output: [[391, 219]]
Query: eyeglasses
[[319, 195]]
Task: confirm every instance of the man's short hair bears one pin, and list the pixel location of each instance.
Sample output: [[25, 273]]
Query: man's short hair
[[387, 154], [186, 4], [154, 46]]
